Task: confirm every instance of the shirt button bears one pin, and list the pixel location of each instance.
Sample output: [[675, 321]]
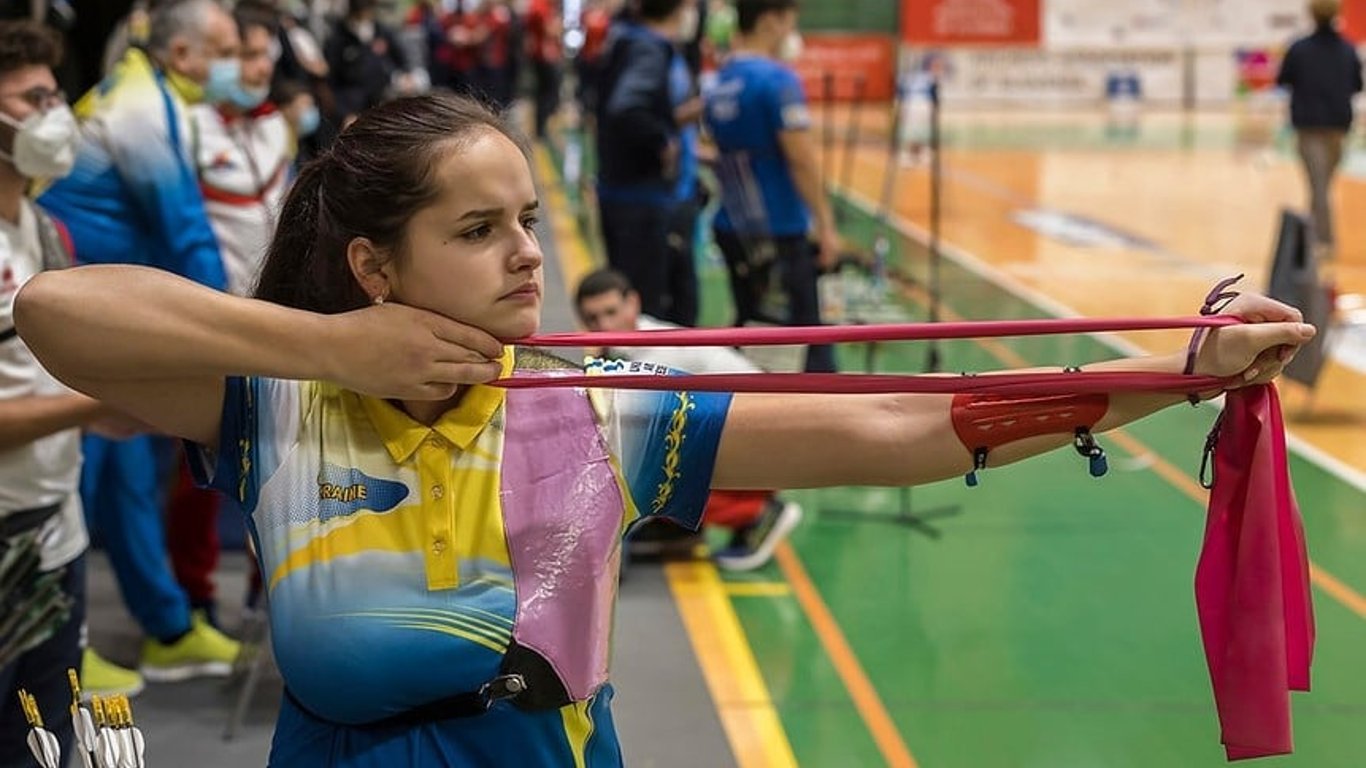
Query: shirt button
[[438, 492], [438, 546]]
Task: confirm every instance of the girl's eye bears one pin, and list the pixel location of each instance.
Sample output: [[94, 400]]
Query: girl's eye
[[476, 234], [528, 222]]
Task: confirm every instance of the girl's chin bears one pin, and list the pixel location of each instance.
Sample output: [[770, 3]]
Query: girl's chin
[[517, 327]]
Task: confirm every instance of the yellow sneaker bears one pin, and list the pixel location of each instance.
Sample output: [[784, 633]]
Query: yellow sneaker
[[202, 652], [101, 677]]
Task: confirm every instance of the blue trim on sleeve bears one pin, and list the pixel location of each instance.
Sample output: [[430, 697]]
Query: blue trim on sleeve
[[234, 469], [676, 480]]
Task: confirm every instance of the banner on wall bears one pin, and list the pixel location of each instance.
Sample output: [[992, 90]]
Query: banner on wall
[[1354, 20], [1049, 78], [847, 58], [970, 22]]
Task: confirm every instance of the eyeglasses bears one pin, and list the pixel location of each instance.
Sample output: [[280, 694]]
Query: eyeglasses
[[39, 97]]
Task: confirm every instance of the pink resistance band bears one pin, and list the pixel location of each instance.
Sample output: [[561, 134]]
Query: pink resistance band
[[1252, 580]]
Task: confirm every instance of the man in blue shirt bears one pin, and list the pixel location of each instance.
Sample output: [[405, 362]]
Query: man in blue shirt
[[771, 191]]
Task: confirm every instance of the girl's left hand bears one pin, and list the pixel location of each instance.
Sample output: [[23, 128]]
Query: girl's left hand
[[1257, 351]]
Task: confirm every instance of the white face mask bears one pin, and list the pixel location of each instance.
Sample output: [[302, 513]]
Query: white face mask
[[791, 47], [44, 143], [365, 30]]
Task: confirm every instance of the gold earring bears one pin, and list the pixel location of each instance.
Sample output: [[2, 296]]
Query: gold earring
[[379, 300]]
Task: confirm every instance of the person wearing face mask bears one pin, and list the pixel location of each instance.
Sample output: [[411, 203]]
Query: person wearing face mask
[[133, 197], [41, 420], [771, 191], [296, 102], [243, 148]]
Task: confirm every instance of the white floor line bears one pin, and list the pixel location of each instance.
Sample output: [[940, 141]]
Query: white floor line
[[1051, 306]]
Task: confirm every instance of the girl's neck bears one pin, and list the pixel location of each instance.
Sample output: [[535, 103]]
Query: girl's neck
[[426, 412]]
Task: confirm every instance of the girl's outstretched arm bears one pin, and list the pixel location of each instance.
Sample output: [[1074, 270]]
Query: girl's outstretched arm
[[159, 347], [808, 441]]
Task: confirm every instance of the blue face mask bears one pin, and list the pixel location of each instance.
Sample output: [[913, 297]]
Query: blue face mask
[[225, 77], [308, 121], [246, 99]]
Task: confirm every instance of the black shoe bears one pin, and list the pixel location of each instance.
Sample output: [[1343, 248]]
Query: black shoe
[[752, 547]]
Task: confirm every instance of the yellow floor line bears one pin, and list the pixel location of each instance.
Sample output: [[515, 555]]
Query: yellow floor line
[[1181, 481], [575, 259], [742, 700], [869, 705], [737, 688], [758, 589]]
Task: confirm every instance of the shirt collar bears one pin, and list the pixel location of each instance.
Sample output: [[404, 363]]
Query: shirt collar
[[459, 426]]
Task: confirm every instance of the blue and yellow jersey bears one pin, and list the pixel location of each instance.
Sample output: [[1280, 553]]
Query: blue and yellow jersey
[[133, 196], [383, 548]]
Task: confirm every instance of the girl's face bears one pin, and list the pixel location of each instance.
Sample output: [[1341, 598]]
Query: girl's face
[[472, 255]]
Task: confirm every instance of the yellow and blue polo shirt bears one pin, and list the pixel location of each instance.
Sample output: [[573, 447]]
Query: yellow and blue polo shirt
[[382, 545]]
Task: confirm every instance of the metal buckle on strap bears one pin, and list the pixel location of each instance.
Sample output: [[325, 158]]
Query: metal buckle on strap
[[501, 687]]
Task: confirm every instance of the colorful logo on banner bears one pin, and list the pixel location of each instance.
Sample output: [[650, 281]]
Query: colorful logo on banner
[[967, 22], [832, 67], [1257, 68]]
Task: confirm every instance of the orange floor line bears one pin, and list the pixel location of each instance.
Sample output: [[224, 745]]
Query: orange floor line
[[1178, 479], [861, 690]]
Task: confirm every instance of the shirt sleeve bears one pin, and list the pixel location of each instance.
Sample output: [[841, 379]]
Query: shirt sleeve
[[150, 148], [665, 441], [260, 423], [788, 103]]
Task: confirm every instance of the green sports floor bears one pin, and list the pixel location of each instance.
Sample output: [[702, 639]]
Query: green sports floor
[[1049, 620]]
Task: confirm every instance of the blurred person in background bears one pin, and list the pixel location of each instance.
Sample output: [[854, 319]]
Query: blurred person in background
[[544, 50], [688, 195], [299, 61], [498, 53], [40, 419], [243, 150], [639, 146], [1322, 72], [244, 146], [596, 21], [769, 169], [757, 520], [365, 61], [300, 109], [133, 197]]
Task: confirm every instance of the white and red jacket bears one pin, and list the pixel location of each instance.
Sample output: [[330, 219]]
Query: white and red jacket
[[243, 163]]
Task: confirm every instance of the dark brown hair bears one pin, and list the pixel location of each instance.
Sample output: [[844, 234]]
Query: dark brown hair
[[748, 12], [374, 178], [253, 13], [28, 44], [601, 281]]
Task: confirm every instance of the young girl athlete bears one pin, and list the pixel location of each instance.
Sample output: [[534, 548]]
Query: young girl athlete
[[441, 555]]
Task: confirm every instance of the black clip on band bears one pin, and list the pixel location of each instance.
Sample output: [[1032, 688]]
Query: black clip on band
[[1093, 453], [979, 462], [501, 687], [1211, 441]]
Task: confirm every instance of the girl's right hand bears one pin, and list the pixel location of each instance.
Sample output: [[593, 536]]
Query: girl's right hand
[[404, 353]]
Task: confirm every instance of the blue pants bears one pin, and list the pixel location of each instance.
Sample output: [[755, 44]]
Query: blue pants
[[123, 491], [503, 736], [42, 672]]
